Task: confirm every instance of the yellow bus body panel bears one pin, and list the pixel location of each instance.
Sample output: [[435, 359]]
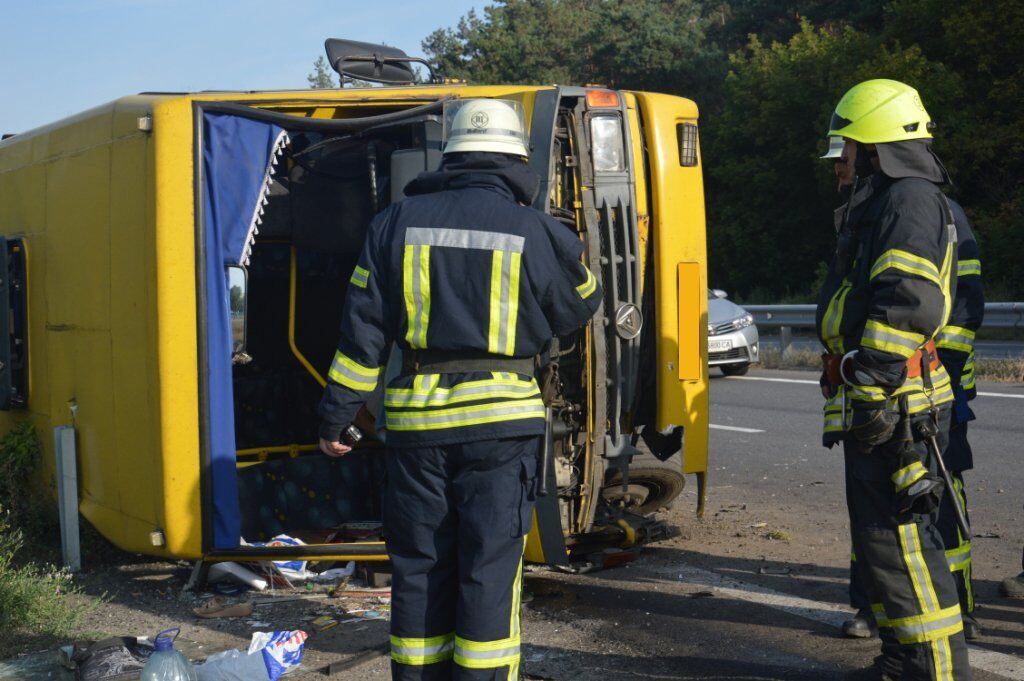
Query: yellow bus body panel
[[108, 215], [680, 262]]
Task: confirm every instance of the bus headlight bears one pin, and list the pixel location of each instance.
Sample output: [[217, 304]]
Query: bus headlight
[[606, 140]]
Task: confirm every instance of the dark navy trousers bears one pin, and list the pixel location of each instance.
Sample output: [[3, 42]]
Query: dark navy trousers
[[455, 522]]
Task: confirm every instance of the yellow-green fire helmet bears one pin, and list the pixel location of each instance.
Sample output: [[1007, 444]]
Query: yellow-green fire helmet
[[879, 111]]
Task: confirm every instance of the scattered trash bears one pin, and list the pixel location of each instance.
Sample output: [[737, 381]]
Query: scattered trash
[[765, 570], [270, 655], [334, 574], [232, 570], [292, 570], [758, 525], [987, 535], [218, 607], [323, 623], [104, 659], [256, 624], [166, 663]]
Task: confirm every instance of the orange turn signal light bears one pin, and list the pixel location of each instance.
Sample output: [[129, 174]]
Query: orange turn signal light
[[602, 99]]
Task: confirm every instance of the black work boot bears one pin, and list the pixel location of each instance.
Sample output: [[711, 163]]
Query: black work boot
[[861, 626], [972, 630]]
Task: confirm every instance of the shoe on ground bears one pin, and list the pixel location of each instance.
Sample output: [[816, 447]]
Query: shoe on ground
[[1013, 587], [862, 625], [972, 630]]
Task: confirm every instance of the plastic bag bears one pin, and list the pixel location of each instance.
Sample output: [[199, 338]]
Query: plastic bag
[[270, 655]]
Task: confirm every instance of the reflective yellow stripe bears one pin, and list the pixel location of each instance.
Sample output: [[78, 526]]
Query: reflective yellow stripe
[[466, 416], [422, 651], [866, 393], [881, 336], [351, 374], [968, 267], [947, 275], [513, 303], [467, 391], [833, 317], [360, 277], [907, 262], [587, 288], [416, 292], [923, 628], [934, 624], [959, 558], [486, 654], [497, 260], [908, 475], [910, 542], [955, 338], [504, 302]]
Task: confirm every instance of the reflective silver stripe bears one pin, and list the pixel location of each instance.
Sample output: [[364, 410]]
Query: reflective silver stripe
[[459, 393], [915, 561], [881, 335], [506, 273], [905, 476], [500, 653], [417, 296], [921, 631], [464, 238], [464, 415], [423, 650]]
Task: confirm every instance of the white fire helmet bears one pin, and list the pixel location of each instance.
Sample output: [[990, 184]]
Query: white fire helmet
[[496, 125]]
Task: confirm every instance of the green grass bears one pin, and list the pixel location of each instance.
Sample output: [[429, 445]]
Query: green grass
[[34, 599], [39, 603]]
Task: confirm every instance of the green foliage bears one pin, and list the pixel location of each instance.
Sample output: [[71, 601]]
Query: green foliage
[[769, 197], [34, 600], [657, 45], [20, 455], [322, 77]]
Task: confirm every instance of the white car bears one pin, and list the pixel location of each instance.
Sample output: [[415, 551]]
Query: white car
[[732, 336]]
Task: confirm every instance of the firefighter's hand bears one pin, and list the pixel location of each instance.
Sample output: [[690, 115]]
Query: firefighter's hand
[[828, 391], [334, 448]]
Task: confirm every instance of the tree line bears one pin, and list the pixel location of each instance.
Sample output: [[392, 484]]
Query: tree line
[[766, 75]]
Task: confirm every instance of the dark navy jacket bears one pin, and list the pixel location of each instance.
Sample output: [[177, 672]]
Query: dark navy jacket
[[459, 266]]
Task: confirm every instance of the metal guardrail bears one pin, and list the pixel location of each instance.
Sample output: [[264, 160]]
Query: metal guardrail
[[997, 315], [787, 317]]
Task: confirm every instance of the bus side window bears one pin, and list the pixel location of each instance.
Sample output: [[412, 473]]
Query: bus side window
[[14, 323]]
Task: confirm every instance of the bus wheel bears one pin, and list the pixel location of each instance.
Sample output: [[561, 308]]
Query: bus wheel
[[652, 484]]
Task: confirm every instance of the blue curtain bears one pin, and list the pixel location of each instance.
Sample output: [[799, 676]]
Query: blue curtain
[[239, 155]]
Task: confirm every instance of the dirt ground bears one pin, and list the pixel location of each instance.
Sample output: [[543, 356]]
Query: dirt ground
[[649, 619]]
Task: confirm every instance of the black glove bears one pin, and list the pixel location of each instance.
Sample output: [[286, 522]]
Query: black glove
[[873, 425], [863, 368], [917, 489]]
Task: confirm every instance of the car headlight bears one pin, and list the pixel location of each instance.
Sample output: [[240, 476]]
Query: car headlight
[[743, 322]]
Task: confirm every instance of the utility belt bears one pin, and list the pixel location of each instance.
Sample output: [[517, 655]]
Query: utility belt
[[463, 362], [924, 362]]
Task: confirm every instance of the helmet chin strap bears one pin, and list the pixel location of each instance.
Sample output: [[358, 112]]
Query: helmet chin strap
[[863, 165]]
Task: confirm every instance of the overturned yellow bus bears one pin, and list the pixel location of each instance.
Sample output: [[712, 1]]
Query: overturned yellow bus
[[175, 270]]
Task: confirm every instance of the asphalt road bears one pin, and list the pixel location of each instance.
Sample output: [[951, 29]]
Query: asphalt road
[[757, 588]]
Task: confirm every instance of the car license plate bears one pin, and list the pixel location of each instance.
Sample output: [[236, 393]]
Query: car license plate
[[719, 345]]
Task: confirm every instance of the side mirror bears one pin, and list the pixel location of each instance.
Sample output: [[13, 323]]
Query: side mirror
[[238, 302], [719, 293]]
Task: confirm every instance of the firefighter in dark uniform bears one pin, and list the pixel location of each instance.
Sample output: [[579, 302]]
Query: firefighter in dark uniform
[[955, 344], [888, 294], [470, 283]]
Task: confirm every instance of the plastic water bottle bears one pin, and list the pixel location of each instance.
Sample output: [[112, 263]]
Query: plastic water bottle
[[166, 663]]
